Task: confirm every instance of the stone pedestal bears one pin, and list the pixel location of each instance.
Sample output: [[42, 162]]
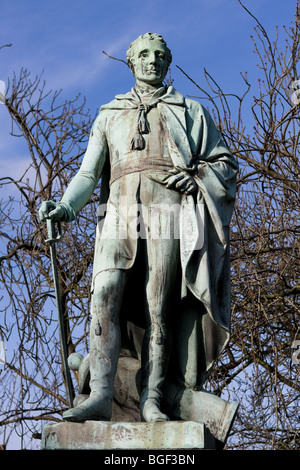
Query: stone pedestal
[[199, 420], [101, 435]]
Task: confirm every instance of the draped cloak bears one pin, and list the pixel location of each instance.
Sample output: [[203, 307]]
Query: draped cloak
[[202, 320]]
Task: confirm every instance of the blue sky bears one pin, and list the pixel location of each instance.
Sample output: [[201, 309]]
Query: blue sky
[[65, 40]]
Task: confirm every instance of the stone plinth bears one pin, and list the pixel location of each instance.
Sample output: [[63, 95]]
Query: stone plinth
[[100, 435]]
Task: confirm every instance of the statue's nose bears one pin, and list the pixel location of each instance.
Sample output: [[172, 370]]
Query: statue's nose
[[152, 58]]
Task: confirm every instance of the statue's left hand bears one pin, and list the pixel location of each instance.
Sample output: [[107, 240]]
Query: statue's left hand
[[181, 181]]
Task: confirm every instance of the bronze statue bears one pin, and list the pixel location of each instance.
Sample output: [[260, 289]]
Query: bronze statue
[[168, 186]]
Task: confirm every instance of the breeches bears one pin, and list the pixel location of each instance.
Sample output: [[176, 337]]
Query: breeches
[[156, 252], [159, 260]]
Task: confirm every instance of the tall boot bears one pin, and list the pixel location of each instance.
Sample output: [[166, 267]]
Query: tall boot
[[104, 355], [154, 370]]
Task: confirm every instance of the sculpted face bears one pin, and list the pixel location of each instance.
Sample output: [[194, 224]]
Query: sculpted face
[[150, 64]]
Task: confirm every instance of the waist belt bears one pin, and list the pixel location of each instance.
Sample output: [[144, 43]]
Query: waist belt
[[119, 170]]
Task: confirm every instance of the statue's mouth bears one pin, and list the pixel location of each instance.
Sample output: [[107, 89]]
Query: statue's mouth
[[153, 70]]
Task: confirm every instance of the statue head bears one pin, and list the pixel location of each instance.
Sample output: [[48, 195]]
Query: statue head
[[149, 58]]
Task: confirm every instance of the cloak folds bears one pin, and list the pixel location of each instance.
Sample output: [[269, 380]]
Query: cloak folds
[[203, 320]]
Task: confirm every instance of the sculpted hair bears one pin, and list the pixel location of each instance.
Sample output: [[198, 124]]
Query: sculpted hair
[[151, 36]]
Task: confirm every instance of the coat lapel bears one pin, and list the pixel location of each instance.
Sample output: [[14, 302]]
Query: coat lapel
[[173, 111]]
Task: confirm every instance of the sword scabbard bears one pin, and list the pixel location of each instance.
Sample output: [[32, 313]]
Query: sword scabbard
[[54, 235]]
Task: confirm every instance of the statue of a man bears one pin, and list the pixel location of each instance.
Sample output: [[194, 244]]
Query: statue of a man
[[153, 150]]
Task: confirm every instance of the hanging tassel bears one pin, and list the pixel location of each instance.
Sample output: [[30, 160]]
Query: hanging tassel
[[142, 127], [137, 142], [142, 123]]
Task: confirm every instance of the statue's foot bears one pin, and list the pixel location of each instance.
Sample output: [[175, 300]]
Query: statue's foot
[[96, 408], [151, 412]]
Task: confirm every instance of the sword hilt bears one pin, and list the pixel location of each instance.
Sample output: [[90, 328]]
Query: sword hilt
[[54, 231]]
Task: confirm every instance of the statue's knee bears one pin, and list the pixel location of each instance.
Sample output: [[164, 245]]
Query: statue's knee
[[105, 304]]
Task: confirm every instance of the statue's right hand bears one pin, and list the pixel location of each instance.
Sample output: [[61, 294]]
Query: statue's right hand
[[51, 210]]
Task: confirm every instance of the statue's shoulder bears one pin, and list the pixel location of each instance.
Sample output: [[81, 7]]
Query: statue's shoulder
[[194, 107], [104, 108], [117, 103], [103, 115], [196, 110], [173, 96], [105, 111], [110, 105]]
